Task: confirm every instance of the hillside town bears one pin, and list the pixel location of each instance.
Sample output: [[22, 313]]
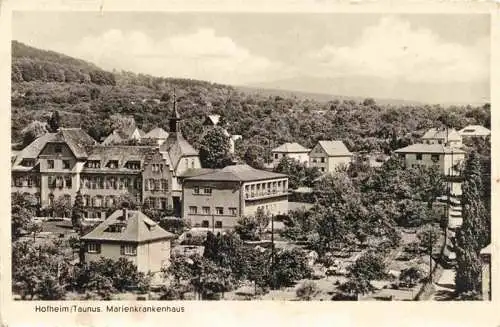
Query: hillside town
[[139, 215]]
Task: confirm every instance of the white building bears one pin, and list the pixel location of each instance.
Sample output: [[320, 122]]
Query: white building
[[327, 156], [448, 137], [291, 150], [446, 159], [474, 131]]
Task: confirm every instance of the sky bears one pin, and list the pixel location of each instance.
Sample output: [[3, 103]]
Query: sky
[[420, 57]]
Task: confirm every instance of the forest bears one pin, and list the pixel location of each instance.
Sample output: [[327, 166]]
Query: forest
[[85, 96]]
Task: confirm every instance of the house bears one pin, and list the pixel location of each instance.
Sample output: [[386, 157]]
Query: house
[[485, 256], [212, 121], [327, 156], [446, 159], [61, 164], [291, 150], [218, 199], [157, 134], [132, 235], [449, 137], [473, 131], [119, 136]]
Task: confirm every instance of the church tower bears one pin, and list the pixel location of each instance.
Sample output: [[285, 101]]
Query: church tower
[[174, 121]]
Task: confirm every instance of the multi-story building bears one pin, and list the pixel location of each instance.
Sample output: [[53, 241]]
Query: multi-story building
[[291, 150], [63, 163], [446, 159], [131, 235], [449, 137], [219, 198], [327, 156]]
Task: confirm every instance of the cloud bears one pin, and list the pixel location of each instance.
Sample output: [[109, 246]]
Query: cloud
[[393, 49], [199, 55]]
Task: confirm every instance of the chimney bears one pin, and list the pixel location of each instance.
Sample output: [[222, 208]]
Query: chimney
[[124, 214]]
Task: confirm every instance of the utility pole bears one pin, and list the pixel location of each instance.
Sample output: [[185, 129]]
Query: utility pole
[[430, 256]]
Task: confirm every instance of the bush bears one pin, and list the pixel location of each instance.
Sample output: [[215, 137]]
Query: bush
[[307, 290], [289, 266]]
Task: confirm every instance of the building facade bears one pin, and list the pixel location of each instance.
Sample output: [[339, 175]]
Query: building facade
[[131, 235], [58, 165], [291, 150], [218, 199], [446, 159], [327, 156]]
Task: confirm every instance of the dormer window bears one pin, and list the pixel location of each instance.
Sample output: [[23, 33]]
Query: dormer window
[[113, 164], [116, 228], [28, 162], [93, 164], [133, 165]]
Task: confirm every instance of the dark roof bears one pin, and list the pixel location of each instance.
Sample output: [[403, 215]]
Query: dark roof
[[335, 148], [32, 150], [428, 148], [192, 172], [291, 148], [76, 139], [241, 173], [122, 153], [139, 228]]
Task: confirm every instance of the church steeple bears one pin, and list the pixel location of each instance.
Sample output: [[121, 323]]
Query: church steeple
[[174, 118]]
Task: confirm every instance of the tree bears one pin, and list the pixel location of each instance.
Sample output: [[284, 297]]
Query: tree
[[247, 228], [62, 207], [474, 232], [215, 149], [300, 224], [428, 238], [20, 220], [252, 156], [77, 213], [54, 122], [33, 131], [307, 290], [356, 286], [370, 266], [409, 277], [121, 122], [290, 266]]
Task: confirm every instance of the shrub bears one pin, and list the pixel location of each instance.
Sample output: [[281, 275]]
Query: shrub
[[307, 290]]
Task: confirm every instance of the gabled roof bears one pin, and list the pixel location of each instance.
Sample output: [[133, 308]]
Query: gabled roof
[[291, 148], [192, 172], [177, 147], [335, 148], [157, 133], [475, 130], [440, 134], [121, 135], [429, 148], [32, 150], [76, 139], [121, 153], [237, 173], [113, 138], [212, 120], [139, 229]]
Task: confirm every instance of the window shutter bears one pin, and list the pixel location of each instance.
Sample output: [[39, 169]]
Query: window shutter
[[122, 249]]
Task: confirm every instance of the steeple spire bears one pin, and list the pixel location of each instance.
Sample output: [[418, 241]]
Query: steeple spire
[[175, 117]]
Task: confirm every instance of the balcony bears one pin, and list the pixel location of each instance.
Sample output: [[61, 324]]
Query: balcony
[[264, 194]]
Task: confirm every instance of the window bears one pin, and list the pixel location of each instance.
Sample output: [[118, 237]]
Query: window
[[50, 164], [206, 210], [93, 248], [314, 160], [157, 185], [204, 223], [192, 163], [435, 157], [128, 249], [322, 160], [113, 164], [164, 185], [233, 211], [58, 149], [28, 162], [193, 210], [440, 141], [196, 190], [93, 164], [207, 190], [163, 203], [276, 156], [219, 210], [155, 168], [133, 165], [218, 224], [419, 156], [66, 164], [323, 169], [68, 181]]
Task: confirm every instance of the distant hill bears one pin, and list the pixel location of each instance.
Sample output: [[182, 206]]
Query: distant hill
[[91, 98], [321, 97]]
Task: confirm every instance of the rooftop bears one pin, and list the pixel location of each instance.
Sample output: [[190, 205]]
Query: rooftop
[[335, 148], [440, 134], [157, 133], [291, 148], [138, 229], [240, 173], [475, 130], [428, 148]]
